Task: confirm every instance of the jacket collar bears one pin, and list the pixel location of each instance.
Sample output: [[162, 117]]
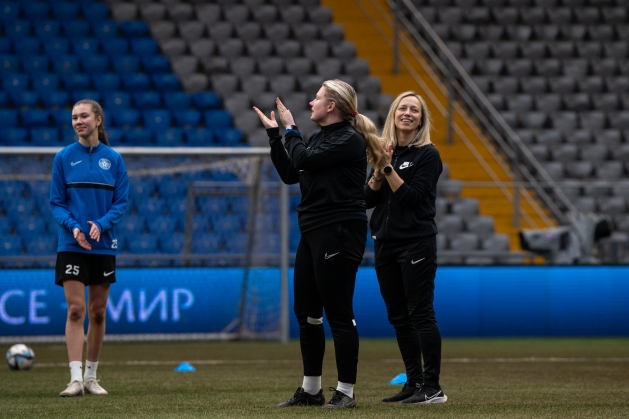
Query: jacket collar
[[86, 149], [332, 128]]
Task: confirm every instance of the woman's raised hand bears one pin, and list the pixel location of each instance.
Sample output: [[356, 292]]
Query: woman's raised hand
[[285, 116], [387, 154], [268, 123]]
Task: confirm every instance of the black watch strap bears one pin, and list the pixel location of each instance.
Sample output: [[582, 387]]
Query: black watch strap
[[293, 127]]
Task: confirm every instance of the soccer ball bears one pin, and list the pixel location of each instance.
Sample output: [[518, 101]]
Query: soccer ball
[[20, 357]]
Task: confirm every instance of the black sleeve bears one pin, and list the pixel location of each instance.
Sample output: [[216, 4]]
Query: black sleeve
[[371, 197], [413, 193], [330, 153], [282, 162]]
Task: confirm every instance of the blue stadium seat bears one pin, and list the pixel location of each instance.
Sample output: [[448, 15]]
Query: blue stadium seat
[[105, 30], [114, 135], [5, 45], [48, 29], [62, 118], [217, 119], [147, 100], [65, 64], [94, 11], [155, 64], [45, 136], [135, 82], [176, 100], [76, 81], [206, 100], [134, 29], [17, 29], [36, 11], [10, 245], [239, 204], [68, 135], [177, 208], [126, 64], [267, 243], [151, 207], [169, 138], [144, 244], [9, 64], [141, 189], [12, 189], [165, 82], [139, 137], [226, 223], [200, 223], [207, 243], [115, 100], [85, 94], [172, 244], [35, 64], [55, 100], [6, 225], [95, 64], [162, 224], [17, 208], [199, 137], [106, 82], [66, 11], [24, 98], [212, 204], [44, 83], [115, 47], [170, 188], [4, 100], [35, 118], [75, 28], [8, 118], [29, 226], [133, 224], [12, 136], [124, 118], [85, 46], [9, 11], [156, 120], [143, 47], [187, 118], [42, 245], [229, 137], [236, 243], [27, 46], [55, 47]]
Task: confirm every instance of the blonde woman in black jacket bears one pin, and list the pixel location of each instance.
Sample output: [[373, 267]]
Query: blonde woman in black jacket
[[402, 190]]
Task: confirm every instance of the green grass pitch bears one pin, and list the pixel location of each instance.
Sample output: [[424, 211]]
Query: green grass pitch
[[483, 378]]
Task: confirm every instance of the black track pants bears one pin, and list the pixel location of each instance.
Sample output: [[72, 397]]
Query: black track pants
[[406, 274], [325, 274]]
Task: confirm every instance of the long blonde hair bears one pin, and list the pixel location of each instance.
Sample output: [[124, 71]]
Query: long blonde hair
[[344, 96], [98, 111], [422, 136]]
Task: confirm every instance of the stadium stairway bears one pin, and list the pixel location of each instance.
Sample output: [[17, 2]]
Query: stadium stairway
[[366, 25]]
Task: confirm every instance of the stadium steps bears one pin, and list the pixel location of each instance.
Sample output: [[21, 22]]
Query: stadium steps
[[359, 18]]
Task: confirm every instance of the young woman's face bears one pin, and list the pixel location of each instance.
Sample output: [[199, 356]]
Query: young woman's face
[[319, 106], [84, 121], [408, 114]]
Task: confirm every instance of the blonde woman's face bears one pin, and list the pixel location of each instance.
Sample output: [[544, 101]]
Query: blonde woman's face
[[408, 114], [84, 121], [320, 106]]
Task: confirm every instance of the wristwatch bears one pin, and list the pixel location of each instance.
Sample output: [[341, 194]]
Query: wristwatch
[[292, 127], [387, 170]]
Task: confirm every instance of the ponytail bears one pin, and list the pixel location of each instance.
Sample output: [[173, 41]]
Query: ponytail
[[98, 111], [344, 96]]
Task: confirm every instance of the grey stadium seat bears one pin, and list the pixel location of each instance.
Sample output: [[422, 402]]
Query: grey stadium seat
[[496, 243], [221, 31], [534, 85], [565, 153], [173, 47], [162, 29], [299, 66], [467, 208], [592, 120], [258, 138], [547, 67], [464, 241], [215, 64], [316, 50], [124, 11], [305, 31], [577, 102], [296, 101], [604, 67], [575, 67], [283, 84], [333, 33], [320, 15], [549, 137], [476, 50], [520, 103], [548, 103], [231, 48], [191, 31], [184, 65], [491, 32], [482, 226], [451, 224], [571, 188], [368, 85], [346, 51], [224, 84], [610, 170], [195, 82], [519, 67], [247, 121], [590, 50], [271, 66], [293, 13], [519, 32], [276, 31], [534, 50], [153, 11], [260, 48], [585, 204], [619, 120], [265, 13], [243, 66], [357, 67], [249, 31], [605, 102], [555, 169], [617, 50], [254, 84], [545, 32], [310, 84], [208, 13], [237, 102], [450, 188], [595, 153], [579, 169], [202, 48], [564, 121], [593, 84], [506, 15], [614, 205], [329, 68], [236, 14], [611, 138], [540, 151], [180, 12], [534, 119], [288, 48], [581, 137]]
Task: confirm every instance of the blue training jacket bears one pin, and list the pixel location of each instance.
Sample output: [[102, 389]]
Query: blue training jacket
[[88, 186]]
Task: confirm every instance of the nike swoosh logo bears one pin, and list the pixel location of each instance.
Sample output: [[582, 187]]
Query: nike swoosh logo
[[433, 396], [74, 163], [332, 255], [108, 273], [413, 262]]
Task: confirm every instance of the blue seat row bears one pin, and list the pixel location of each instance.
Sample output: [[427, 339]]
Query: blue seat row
[[102, 29], [84, 46], [131, 82], [195, 137], [29, 9], [70, 65]]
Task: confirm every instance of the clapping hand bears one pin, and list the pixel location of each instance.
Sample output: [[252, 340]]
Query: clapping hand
[[285, 116], [268, 123], [80, 238], [387, 154]]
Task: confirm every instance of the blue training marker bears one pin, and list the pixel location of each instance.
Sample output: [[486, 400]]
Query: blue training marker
[[185, 367], [398, 379]]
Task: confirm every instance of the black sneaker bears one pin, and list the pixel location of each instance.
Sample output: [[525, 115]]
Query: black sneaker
[[340, 400], [425, 395], [407, 391], [301, 398]]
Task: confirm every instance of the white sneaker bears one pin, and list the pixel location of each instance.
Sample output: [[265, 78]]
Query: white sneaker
[[75, 388], [92, 387]]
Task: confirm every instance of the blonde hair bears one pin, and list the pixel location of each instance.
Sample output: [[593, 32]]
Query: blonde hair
[[422, 136], [98, 111], [344, 96]]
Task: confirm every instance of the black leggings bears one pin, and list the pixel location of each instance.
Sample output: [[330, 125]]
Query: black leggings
[[406, 274], [325, 274]]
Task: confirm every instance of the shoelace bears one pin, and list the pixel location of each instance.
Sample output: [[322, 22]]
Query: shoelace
[[337, 396], [296, 393]]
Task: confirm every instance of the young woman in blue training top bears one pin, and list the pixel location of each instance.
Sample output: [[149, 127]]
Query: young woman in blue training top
[[88, 196]]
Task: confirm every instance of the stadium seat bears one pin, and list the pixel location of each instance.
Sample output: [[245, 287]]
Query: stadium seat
[[76, 28], [134, 29], [127, 64], [35, 118], [135, 82], [116, 47], [45, 83], [105, 30], [66, 11], [139, 137], [199, 137], [45, 136], [12, 136], [162, 224], [142, 244], [187, 118], [24, 98], [147, 101], [206, 100], [95, 64], [176, 101], [155, 64], [165, 82], [172, 244], [124, 118], [10, 245], [156, 120]]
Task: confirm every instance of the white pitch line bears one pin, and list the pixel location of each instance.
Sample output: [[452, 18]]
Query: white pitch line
[[280, 361]]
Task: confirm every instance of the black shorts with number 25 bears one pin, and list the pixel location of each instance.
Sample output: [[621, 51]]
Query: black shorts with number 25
[[90, 269]]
